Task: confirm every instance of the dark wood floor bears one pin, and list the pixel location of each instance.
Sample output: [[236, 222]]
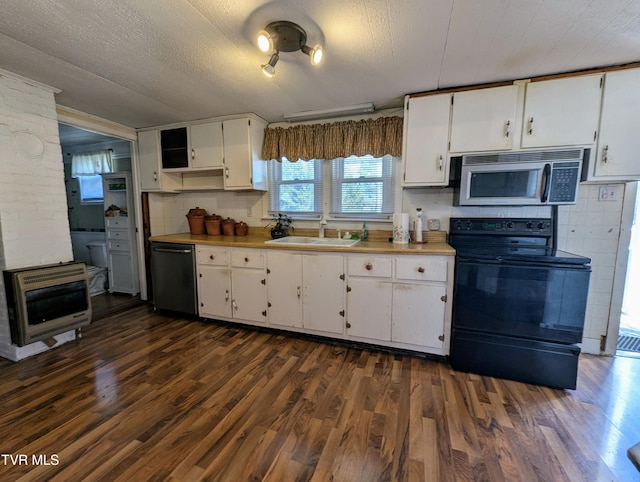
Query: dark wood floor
[[146, 396]]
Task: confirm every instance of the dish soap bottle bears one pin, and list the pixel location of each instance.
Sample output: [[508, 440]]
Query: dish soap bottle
[[417, 227], [365, 234]]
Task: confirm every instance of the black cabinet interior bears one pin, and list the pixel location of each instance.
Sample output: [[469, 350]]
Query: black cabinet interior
[[174, 148]]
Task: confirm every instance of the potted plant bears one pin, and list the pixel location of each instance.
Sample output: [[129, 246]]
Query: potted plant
[[280, 226]]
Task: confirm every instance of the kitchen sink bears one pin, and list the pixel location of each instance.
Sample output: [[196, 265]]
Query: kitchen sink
[[313, 241]]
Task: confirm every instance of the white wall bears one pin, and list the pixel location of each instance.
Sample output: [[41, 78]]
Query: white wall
[[34, 227]]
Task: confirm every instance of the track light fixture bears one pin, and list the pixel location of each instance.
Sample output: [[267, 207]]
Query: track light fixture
[[283, 36]]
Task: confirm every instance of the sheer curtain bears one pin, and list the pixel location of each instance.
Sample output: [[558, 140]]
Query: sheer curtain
[[91, 163]]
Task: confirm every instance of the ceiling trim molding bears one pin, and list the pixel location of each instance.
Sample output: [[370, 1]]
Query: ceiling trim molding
[[35, 83], [76, 118]]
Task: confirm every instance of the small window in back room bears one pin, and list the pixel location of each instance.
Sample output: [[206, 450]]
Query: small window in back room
[[90, 189]]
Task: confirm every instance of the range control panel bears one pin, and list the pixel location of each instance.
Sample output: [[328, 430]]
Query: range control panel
[[506, 226]]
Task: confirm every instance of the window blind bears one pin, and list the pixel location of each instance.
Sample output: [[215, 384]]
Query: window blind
[[295, 188]]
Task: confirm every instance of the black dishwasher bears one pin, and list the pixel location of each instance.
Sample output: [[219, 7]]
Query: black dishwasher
[[173, 277]]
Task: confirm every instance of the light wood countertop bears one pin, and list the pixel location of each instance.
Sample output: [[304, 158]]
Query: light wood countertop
[[378, 243]]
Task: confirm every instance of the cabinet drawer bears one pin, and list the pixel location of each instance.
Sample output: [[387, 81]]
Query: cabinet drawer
[[121, 222], [212, 256], [423, 268], [115, 245], [118, 234], [369, 266], [247, 259]]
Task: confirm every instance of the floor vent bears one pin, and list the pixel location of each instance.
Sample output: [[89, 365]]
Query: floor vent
[[629, 343]]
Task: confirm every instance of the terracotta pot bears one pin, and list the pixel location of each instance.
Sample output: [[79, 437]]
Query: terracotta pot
[[228, 227], [195, 217], [241, 228], [212, 223]]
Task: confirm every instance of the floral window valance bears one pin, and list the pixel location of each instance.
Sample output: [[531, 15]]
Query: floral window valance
[[376, 137], [91, 163]]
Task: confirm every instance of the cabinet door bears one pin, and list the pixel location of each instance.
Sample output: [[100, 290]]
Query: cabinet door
[[369, 309], [120, 272], [249, 294], [418, 314], [151, 176], [483, 120], [562, 112], [149, 160], [619, 142], [426, 133], [214, 291], [206, 145], [237, 154], [284, 288], [323, 293]]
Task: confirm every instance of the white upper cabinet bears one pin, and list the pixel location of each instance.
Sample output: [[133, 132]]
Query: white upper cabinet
[[562, 112], [618, 155], [152, 177], [243, 168], [484, 119], [426, 132], [206, 145]]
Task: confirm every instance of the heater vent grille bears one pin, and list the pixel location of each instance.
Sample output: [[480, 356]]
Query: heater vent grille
[[52, 274]]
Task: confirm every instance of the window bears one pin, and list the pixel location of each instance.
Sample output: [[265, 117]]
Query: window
[[362, 187], [295, 187], [358, 187], [90, 189]]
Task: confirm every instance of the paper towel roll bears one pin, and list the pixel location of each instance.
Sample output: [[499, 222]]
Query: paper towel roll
[[401, 228]]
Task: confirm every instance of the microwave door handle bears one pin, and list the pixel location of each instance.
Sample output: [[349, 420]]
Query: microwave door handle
[[547, 183]]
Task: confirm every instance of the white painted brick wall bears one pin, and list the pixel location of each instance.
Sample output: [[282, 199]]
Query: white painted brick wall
[[34, 227]]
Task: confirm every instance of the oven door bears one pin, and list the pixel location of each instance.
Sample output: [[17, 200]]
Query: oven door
[[516, 184], [536, 301]]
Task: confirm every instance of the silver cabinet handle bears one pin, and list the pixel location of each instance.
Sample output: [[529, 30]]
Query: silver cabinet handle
[[193, 153], [235, 305], [155, 176], [507, 126], [531, 126], [298, 292], [226, 172], [605, 153], [226, 295], [440, 162]]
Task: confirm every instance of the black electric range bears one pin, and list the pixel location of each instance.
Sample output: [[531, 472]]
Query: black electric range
[[519, 303]]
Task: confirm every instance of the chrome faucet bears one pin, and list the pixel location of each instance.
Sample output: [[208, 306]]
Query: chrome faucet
[[323, 223]]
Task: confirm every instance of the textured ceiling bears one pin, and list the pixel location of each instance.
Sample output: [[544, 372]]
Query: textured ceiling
[[146, 63]]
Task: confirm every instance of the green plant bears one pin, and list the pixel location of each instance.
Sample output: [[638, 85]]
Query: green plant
[[280, 225]]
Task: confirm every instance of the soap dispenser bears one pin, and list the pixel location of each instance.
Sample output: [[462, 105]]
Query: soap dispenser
[[417, 227]]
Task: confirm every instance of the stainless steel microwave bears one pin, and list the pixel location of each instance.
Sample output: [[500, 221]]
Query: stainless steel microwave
[[523, 178]]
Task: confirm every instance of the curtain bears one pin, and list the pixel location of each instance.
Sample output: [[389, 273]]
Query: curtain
[[376, 137], [91, 163]]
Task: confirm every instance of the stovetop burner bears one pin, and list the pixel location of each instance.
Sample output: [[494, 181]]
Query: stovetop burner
[[508, 239]]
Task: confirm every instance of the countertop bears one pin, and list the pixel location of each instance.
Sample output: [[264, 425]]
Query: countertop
[[435, 245]]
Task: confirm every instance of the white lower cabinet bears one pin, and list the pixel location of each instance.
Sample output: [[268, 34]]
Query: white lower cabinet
[[248, 285], [231, 284], [284, 288], [323, 293], [418, 314], [396, 301]]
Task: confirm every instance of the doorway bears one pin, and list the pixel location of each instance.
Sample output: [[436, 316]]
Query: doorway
[[629, 334], [87, 215]]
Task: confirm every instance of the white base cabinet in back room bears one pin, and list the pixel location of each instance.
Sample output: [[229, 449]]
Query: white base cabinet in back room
[[121, 233]]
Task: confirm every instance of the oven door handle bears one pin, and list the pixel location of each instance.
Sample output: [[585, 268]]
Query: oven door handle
[[547, 183]]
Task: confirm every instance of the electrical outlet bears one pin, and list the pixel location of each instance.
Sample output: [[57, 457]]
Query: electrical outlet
[[608, 193], [249, 211]]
